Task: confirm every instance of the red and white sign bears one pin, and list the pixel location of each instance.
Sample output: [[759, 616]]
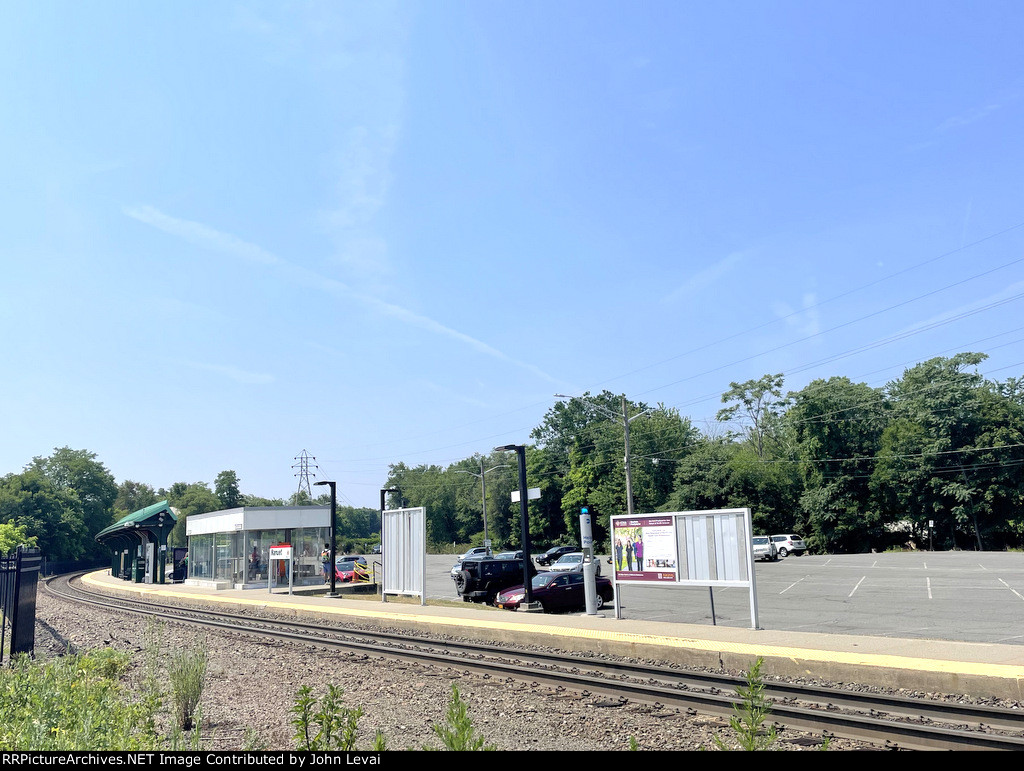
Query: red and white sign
[[281, 551]]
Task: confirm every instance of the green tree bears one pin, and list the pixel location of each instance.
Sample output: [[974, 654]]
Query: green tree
[[758, 403], [951, 453], [226, 489], [79, 471], [132, 496], [837, 427], [724, 474], [584, 439], [52, 515], [189, 499], [12, 536]]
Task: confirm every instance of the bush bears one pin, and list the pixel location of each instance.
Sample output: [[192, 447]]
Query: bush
[[74, 703]]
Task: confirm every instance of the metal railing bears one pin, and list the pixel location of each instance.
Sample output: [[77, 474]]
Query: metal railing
[[19, 576]]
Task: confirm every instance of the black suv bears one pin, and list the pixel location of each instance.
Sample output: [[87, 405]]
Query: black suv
[[482, 578], [551, 555]]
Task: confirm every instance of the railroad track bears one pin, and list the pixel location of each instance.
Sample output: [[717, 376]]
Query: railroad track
[[892, 722]]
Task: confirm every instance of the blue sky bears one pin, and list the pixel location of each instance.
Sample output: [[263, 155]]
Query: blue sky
[[385, 232]]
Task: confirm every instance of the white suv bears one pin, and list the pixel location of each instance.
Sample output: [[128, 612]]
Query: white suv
[[764, 549], [789, 544]]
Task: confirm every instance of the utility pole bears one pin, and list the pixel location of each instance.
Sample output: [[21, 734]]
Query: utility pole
[[626, 420], [483, 493], [629, 476], [304, 473]]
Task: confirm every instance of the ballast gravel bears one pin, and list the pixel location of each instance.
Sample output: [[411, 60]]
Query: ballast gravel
[[251, 687]]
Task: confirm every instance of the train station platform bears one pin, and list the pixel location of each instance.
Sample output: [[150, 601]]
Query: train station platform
[[927, 666]]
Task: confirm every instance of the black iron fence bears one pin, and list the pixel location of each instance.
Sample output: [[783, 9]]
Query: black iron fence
[[19, 576]]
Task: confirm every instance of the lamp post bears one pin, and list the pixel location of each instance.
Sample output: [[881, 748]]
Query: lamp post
[[334, 514], [524, 514], [626, 419], [483, 493]]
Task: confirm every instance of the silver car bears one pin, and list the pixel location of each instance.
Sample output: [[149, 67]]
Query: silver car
[[764, 549], [572, 563]]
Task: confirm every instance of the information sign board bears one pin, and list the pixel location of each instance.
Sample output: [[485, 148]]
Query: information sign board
[[685, 548]]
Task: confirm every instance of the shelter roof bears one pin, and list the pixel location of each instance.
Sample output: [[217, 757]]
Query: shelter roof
[[147, 517]]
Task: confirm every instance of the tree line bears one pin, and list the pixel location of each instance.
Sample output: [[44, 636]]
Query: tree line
[[932, 459], [60, 502]]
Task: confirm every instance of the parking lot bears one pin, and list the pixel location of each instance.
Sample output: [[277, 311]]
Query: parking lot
[[969, 596]]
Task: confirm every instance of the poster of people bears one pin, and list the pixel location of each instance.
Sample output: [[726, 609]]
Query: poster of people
[[644, 549]]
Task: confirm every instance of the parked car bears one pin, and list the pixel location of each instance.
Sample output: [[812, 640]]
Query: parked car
[[556, 591], [789, 544], [509, 555], [347, 568], [376, 548], [572, 563], [552, 554], [764, 549], [481, 579], [476, 551]]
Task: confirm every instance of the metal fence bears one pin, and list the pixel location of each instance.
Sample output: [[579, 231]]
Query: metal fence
[[19, 576]]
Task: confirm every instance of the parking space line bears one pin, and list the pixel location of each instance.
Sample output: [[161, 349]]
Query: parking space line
[[928, 581], [791, 586], [1011, 589], [857, 586]]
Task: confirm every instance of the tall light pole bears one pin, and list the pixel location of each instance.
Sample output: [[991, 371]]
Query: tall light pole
[[483, 493], [524, 515], [626, 419], [334, 515]]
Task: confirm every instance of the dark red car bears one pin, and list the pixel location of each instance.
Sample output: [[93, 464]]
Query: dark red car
[[556, 591]]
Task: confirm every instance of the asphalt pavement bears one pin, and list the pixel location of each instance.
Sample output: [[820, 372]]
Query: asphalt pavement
[[960, 596]]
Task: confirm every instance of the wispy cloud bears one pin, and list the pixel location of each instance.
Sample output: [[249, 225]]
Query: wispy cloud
[[708, 277], [200, 235], [806, 319], [233, 373], [1010, 293], [450, 394], [209, 238], [968, 117]]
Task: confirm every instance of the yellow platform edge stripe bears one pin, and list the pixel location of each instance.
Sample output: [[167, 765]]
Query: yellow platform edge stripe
[[753, 650]]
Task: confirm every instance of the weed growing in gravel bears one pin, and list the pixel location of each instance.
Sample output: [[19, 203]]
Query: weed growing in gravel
[[748, 719], [327, 724], [457, 732], [187, 673]]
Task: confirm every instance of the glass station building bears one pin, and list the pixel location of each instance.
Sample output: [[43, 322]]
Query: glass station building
[[229, 549]]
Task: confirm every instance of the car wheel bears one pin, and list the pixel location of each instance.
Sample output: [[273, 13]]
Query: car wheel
[[462, 581], [600, 602], [783, 551]]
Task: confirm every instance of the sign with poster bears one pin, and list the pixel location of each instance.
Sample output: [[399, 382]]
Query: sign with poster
[[644, 549], [685, 548]]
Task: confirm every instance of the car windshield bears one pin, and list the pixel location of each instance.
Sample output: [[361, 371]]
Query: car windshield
[[571, 558], [761, 540], [347, 565], [541, 580]]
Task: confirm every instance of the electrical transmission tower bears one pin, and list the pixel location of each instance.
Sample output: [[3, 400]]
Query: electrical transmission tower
[[305, 463]]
